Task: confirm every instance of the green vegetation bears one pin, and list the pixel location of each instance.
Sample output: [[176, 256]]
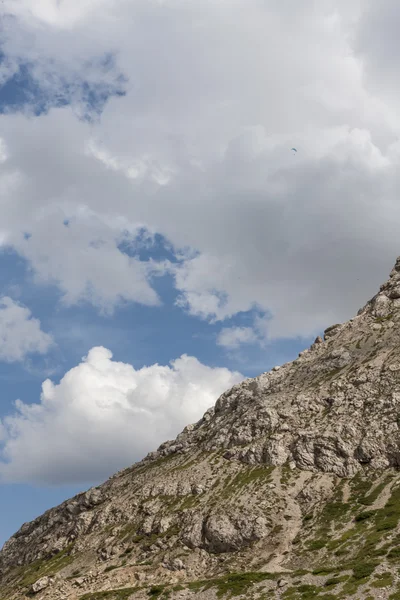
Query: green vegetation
[[345, 527], [324, 570], [373, 496], [307, 518], [121, 594], [189, 502], [369, 537], [316, 544], [360, 485], [155, 591], [394, 553], [49, 566], [334, 510], [110, 568], [383, 580], [190, 463], [248, 477], [383, 319], [305, 592], [333, 581], [233, 584], [128, 531], [333, 514], [286, 473], [364, 569], [366, 514]]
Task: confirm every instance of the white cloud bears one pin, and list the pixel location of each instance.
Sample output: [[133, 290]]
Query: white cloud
[[233, 337], [199, 150], [86, 263], [20, 333], [104, 415]]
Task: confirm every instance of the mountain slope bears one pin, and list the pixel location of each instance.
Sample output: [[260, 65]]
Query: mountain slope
[[286, 488]]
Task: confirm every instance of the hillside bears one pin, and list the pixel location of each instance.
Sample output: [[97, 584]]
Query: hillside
[[287, 488]]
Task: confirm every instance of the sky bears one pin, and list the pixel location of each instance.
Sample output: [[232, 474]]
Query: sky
[[160, 240]]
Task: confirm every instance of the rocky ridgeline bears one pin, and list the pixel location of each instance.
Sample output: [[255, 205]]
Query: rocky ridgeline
[[250, 487], [336, 408]]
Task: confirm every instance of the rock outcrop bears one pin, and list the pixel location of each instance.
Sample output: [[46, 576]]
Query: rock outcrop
[[334, 409]]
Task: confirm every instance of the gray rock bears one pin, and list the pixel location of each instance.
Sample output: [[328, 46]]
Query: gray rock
[[176, 564], [40, 584]]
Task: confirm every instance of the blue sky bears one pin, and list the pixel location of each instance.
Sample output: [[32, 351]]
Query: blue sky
[[159, 240]]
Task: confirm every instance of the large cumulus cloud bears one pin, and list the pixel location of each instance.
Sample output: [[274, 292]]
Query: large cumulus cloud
[[198, 149], [104, 415]]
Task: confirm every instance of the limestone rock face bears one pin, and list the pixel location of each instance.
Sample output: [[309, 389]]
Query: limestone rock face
[[40, 584], [238, 487], [333, 409], [226, 533]]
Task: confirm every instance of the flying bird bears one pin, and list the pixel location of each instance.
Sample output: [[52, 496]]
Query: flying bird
[[294, 149]]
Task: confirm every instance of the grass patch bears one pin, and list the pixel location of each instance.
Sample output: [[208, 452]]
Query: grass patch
[[128, 531], [110, 568], [307, 518], [342, 552], [383, 580], [48, 567], [324, 570], [233, 584], [246, 478], [360, 485], [366, 514], [316, 545], [332, 582], [308, 591], [155, 591], [121, 594], [187, 465], [364, 569], [335, 510], [387, 518], [373, 496], [394, 553]]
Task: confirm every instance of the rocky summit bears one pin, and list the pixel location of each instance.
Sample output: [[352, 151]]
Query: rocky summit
[[287, 488]]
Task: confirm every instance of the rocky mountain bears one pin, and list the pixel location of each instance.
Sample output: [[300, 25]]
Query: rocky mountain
[[287, 488]]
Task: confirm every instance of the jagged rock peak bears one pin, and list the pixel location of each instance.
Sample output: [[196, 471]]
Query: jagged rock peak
[[335, 408], [388, 297]]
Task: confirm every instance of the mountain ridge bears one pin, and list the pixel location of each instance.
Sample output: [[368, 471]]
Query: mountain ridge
[[247, 489]]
